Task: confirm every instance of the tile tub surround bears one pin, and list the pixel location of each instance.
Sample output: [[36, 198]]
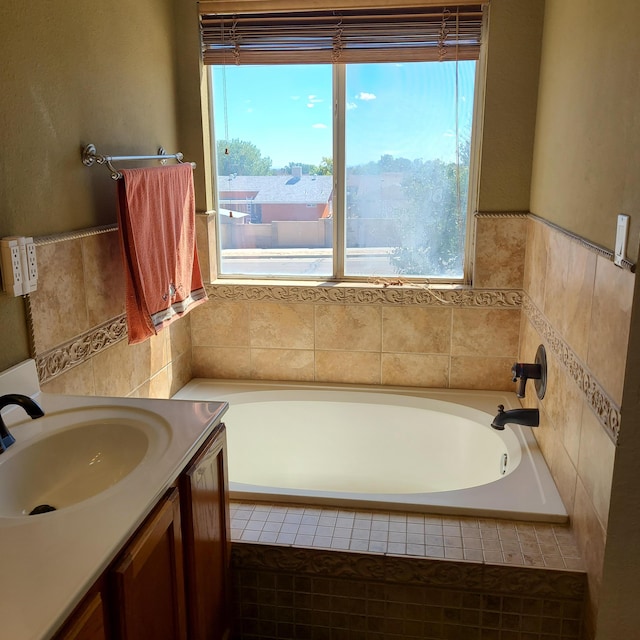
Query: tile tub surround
[[302, 586], [409, 336], [578, 304]]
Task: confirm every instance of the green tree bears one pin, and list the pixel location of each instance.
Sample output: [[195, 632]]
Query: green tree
[[432, 229], [325, 168], [242, 158]]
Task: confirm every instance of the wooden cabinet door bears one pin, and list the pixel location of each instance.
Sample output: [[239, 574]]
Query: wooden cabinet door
[[148, 580], [86, 622], [205, 525]]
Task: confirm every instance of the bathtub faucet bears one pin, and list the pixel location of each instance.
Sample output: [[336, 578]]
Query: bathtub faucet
[[522, 372], [525, 417]]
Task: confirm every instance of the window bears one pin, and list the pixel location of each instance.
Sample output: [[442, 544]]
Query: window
[[354, 164]]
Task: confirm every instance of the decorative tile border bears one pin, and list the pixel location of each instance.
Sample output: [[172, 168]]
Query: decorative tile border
[[451, 574], [64, 357], [341, 294], [607, 412]]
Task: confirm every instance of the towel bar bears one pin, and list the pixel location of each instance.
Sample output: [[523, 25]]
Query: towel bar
[[90, 157]]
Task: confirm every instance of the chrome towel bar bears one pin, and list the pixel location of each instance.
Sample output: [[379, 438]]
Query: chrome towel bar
[[90, 157]]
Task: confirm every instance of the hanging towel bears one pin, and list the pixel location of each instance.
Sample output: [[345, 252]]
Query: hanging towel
[[156, 215]]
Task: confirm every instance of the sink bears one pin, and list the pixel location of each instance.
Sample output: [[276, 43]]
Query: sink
[[78, 455]]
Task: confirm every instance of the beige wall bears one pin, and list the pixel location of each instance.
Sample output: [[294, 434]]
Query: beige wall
[[587, 151], [513, 59], [76, 72]]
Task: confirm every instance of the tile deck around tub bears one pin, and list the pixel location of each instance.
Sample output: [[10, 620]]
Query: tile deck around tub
[[485, 540]]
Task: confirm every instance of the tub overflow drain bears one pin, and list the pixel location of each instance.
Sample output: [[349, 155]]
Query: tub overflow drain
[[41, 508]]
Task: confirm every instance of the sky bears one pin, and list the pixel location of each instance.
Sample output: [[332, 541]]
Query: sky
[[405, 110]]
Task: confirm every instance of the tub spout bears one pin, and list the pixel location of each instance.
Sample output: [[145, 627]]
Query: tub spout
[[525, 417]]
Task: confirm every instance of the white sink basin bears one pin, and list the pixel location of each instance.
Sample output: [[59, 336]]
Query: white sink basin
[[79, 454]]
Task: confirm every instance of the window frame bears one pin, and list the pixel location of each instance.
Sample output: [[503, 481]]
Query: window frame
[[339, 188]]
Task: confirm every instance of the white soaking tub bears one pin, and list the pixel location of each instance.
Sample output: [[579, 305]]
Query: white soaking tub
[[382, 448]]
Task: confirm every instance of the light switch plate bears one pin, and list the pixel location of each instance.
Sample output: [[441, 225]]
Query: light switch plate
[[622, 234]]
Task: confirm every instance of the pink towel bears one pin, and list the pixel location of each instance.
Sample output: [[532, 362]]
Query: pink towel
[[156, 215]]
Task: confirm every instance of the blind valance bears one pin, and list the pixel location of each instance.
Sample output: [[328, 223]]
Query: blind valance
[[343, 36]]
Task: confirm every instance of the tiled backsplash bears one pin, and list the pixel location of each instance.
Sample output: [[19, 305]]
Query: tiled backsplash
[[78, 327], [578, 304]]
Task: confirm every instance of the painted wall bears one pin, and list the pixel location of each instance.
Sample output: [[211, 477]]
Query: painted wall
[[513, 59], [587, 153], [76, 72]]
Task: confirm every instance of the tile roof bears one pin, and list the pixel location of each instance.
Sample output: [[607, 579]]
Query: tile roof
[[280, 189]]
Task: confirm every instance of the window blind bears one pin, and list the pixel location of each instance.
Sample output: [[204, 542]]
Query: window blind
[[411, 34]]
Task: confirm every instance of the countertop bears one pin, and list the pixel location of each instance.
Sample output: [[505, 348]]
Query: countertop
[[49, 561]]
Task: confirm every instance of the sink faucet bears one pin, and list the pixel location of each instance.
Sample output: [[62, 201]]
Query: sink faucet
[[29, 405], [525, 417]]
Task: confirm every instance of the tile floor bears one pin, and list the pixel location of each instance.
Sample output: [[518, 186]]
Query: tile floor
[[409, 534]]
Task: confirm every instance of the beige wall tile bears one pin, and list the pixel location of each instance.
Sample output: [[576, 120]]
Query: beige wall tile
[[121, 368], [180, 372], [416, 329], [221, 362], [77, 381], [59, 306], [220, 324], [160, 384], [415, 370], [500, 252], [535, 270], [595, 465], [564, 473], [282, 364], [563, 403], [569, 290], [103, 277], [158, 347], [468, 372], [609, 330], [591, 540], [350, 327], [178, 336], [280, 325], [357, 367], [486, 332]]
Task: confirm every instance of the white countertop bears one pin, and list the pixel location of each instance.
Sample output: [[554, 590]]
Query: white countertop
[[48, 561]]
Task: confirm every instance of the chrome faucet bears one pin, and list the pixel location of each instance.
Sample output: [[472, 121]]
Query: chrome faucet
[[525, 417], [29, 405]]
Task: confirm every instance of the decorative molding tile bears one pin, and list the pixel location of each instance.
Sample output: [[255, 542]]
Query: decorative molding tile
[[407, 295], [75, 235], [501, 214], [70, 354], [607, 412], [449, 574]]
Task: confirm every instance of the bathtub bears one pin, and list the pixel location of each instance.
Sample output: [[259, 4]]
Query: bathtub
[[381, 448]]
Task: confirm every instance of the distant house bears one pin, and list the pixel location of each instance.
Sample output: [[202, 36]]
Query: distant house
[[278, 198]]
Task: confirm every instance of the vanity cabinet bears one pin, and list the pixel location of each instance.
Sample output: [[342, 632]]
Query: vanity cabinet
[[88, 621], [147, 581], [205, 526], [171, 580]]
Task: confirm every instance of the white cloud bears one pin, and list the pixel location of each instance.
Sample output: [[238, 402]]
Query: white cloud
[[363, 95], [351, 105], [295, 97], [319, 125]]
